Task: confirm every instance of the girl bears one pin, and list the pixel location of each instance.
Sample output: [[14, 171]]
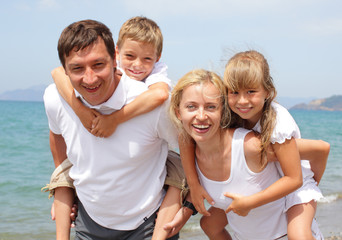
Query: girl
[[251, 96], [226, 159]]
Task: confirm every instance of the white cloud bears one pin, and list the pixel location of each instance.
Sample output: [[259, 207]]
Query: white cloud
[[47, 4], [210, 8], [327, 27], [22, 6]]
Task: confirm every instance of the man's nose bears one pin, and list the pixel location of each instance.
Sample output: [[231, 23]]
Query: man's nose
[[89, 76]]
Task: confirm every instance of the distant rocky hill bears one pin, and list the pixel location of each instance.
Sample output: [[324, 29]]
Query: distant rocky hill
[[333, 103], [34, 94]]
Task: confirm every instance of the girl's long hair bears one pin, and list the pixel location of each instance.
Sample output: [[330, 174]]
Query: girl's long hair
[[247, 70]]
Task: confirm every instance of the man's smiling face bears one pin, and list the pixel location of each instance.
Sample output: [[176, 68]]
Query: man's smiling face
[[91, 72]]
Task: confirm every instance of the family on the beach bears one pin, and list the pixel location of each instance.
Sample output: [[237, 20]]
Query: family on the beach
[[115, 133]]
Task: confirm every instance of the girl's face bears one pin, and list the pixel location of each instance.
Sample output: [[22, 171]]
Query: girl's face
[[248, 103], [200, 111]]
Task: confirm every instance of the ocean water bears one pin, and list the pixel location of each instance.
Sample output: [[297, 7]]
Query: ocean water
[[26, 164]]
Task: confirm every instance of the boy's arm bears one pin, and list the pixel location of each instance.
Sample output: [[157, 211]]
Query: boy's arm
[[64, 196], [197, 192], [168, 209], [317, 152], [66, 90], [157, 94]]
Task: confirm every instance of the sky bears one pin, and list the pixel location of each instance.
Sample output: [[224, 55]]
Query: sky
[[302, 39]]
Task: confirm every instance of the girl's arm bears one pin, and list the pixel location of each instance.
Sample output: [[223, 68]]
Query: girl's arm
[[168, 210], [66, 90], [197, 192], [317, 152], [288, 157], [157, 94]]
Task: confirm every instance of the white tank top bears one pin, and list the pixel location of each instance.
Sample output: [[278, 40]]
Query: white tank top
[[264, 222]]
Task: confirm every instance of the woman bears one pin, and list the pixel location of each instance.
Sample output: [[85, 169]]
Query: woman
[[228, 160]]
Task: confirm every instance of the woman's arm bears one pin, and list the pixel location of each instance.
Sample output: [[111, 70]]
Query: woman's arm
[[197, 192], [317, 152]]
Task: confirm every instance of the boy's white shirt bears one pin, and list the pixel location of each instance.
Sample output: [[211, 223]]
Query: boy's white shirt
[[158, 74]]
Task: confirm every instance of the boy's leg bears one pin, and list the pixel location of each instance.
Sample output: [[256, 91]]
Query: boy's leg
[[167, 211], [214, 225], [300, 219], [64, 199]]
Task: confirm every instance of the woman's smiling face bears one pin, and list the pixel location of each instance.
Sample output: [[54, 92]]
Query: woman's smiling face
[[200, 111]]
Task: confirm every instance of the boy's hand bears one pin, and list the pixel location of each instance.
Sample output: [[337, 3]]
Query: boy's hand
[[104, 125], [86, 115], [198, 194], [240, 204]]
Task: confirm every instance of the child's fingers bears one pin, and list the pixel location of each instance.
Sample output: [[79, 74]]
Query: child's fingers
[[229, 209], [95, 122], [209, 199]]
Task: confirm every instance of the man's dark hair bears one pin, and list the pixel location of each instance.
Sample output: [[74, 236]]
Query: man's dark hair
[[80, 35]]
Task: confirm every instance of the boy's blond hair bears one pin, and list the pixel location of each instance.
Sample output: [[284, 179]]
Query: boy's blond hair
[[141, 29]]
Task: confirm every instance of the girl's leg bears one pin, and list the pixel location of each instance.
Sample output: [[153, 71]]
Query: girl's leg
[[300, 219], [214, 225]]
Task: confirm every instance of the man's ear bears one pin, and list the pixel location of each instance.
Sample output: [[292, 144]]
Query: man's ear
[[117, 53], [158, 58]]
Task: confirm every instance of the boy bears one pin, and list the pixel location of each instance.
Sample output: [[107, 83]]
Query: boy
[[138, 51]]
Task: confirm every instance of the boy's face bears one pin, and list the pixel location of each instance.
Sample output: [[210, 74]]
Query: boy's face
[[137, 59], [91, 72]]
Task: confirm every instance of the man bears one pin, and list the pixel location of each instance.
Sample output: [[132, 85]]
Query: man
[[118, 180]]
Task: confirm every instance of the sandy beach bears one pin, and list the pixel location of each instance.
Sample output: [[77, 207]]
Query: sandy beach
[[328, 215]]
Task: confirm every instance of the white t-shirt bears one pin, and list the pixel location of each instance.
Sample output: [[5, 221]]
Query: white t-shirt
[[158, 74], [119, 179]]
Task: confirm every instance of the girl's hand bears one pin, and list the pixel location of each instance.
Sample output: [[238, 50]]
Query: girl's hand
[[104, 125], [240, 204], [198, 194]]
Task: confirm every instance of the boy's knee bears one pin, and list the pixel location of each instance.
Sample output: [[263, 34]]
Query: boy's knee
[[300, 234]]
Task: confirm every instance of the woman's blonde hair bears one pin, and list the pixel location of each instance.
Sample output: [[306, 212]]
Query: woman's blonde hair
[[198, 76], [247, 70]]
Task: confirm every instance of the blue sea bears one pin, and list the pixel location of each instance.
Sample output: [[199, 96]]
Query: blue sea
[[26, 164]]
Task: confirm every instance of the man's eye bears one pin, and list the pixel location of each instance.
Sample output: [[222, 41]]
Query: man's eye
[[76, 69], [99, 64], [190, 107]]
